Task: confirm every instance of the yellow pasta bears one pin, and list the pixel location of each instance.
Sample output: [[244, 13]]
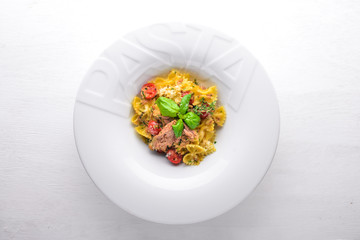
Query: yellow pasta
[[194, 143], [194, 149], [195, 155], [187, 85], [212, 139], [143, 109], [190, 159], [142, 130], [208, 135], [181, 150], [136, 104], [208, 146], [208, 94], [219, 116], [145, 106], [160, 82], [135, 119], [206, 129]]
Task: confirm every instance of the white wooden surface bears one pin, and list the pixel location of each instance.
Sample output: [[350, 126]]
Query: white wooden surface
[[311, 50]]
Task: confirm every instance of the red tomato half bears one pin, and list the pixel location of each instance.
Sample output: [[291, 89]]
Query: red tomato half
[[173, 156], [148, 91], [153, 127], [186, 93], [204, 115]]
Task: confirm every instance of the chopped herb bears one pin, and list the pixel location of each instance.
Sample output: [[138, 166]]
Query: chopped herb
[[142, 92], [215, 142], [204, 107], [172, 88], [193, 86], [195, 81]]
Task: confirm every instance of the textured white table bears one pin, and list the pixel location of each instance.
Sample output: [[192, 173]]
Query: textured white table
[[311, 50]]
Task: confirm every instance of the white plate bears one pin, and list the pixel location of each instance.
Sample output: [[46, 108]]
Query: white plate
[[144, 183]]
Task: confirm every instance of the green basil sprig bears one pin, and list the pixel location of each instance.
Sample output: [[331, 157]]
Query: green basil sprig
[[184, 104], [178, 128], [169, 108], [192, 120]]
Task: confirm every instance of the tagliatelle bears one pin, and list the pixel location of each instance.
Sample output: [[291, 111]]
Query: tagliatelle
[[157, 130]]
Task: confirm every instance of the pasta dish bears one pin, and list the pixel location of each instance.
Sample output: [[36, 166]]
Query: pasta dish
[[177, 115]]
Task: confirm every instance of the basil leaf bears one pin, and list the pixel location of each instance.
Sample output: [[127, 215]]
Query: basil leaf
[[192, 120], [182, 116], [178, 128], [168, 107], [184, 104]]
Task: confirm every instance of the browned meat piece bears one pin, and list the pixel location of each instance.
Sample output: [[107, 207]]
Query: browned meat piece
[[166, 138], [164, 120], [186, 136]]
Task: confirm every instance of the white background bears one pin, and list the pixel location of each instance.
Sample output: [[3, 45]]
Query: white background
[[311, 50]]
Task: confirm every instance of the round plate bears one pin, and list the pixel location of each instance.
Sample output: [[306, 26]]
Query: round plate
[[143, 182]]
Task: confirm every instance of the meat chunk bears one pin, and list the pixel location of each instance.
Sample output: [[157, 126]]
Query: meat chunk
[[166, 138], [164, 120], [187, 136]]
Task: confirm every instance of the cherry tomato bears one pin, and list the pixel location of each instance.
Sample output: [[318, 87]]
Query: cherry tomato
[[186, 93], [153, 127], [173, 156], [204, 115], [148, 91]]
